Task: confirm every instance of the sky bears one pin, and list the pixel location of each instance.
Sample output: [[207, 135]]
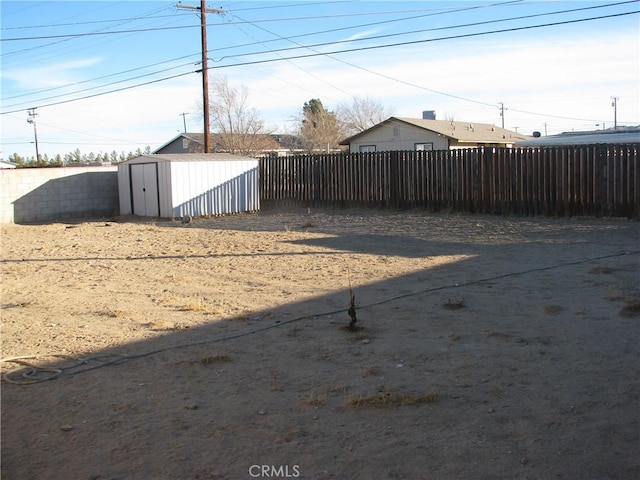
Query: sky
[[121, 75]]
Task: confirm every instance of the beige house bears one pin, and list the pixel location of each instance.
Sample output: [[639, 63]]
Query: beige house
[[398, 133]]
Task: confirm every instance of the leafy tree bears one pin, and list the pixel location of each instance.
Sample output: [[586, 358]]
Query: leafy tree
[[17, 159], [319, 128]]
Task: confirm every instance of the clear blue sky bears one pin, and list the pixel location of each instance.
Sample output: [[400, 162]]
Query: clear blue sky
[[135, 62]]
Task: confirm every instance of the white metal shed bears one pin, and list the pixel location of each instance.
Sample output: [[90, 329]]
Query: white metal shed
[[195, 184]]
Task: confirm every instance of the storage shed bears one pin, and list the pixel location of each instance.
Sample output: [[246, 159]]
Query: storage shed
[[195, 184]]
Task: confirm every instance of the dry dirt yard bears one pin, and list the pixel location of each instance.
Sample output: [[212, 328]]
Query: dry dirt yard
[[485, 348]]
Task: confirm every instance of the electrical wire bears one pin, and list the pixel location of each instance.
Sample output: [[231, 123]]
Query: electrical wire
[[27, 373], [256, 42], [333, 16], [348, 50]]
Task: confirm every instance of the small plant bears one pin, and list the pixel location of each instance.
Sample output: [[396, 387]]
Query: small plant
[[632, 309], [453, 304], [612, 295], [211, 359], [195, 305], [371, 372], [552, 309], [390, 399], [604, 270], [352, 306], [498, 335], [454, 337], [276, 384], [316, 399]]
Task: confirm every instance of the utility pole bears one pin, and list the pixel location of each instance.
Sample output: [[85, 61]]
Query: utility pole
[[205, 69], [502, 113], [614, 104], [184, 120], [32, 120]]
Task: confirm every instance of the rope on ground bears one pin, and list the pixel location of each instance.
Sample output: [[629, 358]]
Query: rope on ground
[[27, 373]]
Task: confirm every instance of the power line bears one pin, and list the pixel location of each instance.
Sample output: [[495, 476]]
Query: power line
[[103, 77], [280, 38], [367, 38], [107, 85], [16, 52], [286, 19], [164, 79], [91, 34], [351, 50]]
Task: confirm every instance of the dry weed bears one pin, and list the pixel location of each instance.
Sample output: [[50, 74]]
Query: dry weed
[[211, 359], [498, 335], [632, 309], [316, 399], [604, 270], [612, 295], [390, 399], [371, 372], [453, 304], [552, 309]]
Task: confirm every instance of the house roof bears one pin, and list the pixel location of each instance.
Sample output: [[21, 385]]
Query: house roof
[[624, 135], [273, 141], [7, 164], [464, 132], [187, 157]]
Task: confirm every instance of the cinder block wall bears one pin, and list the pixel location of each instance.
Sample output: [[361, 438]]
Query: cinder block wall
[[30, 195]]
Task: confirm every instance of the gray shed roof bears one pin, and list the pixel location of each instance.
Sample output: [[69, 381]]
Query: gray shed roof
[[188, 157]]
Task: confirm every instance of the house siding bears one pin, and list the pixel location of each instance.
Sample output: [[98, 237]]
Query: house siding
[[398, 136]]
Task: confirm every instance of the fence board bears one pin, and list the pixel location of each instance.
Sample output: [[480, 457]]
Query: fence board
[[578, 180]]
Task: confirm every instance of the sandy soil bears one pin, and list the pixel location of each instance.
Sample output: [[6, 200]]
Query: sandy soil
[[486, 348]]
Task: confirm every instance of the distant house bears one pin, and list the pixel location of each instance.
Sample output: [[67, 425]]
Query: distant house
[[621, 135], [269, 144], [398, 133], [6, 164]]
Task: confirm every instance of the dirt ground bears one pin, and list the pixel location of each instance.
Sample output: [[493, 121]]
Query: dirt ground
[[484, 348]]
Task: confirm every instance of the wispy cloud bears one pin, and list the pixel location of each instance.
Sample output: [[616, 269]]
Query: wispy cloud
[[46, 76], [359, 35]]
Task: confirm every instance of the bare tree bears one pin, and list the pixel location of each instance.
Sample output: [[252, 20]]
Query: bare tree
[[360, 114], [238, 128]]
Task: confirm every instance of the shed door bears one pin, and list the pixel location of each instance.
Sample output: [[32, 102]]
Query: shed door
[[144, 190]]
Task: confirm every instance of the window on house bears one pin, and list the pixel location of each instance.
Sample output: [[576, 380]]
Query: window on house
[[396, 131], [424, 147], [366, 148], [185, 144]]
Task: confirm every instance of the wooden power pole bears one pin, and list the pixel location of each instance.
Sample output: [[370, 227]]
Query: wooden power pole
[[205, 68]]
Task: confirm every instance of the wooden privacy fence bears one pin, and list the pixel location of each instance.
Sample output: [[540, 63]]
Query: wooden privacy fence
[[600, 180]]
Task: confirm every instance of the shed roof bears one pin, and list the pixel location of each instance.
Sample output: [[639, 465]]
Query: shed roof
[[471, 132], [629, 135], [188, 157]]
